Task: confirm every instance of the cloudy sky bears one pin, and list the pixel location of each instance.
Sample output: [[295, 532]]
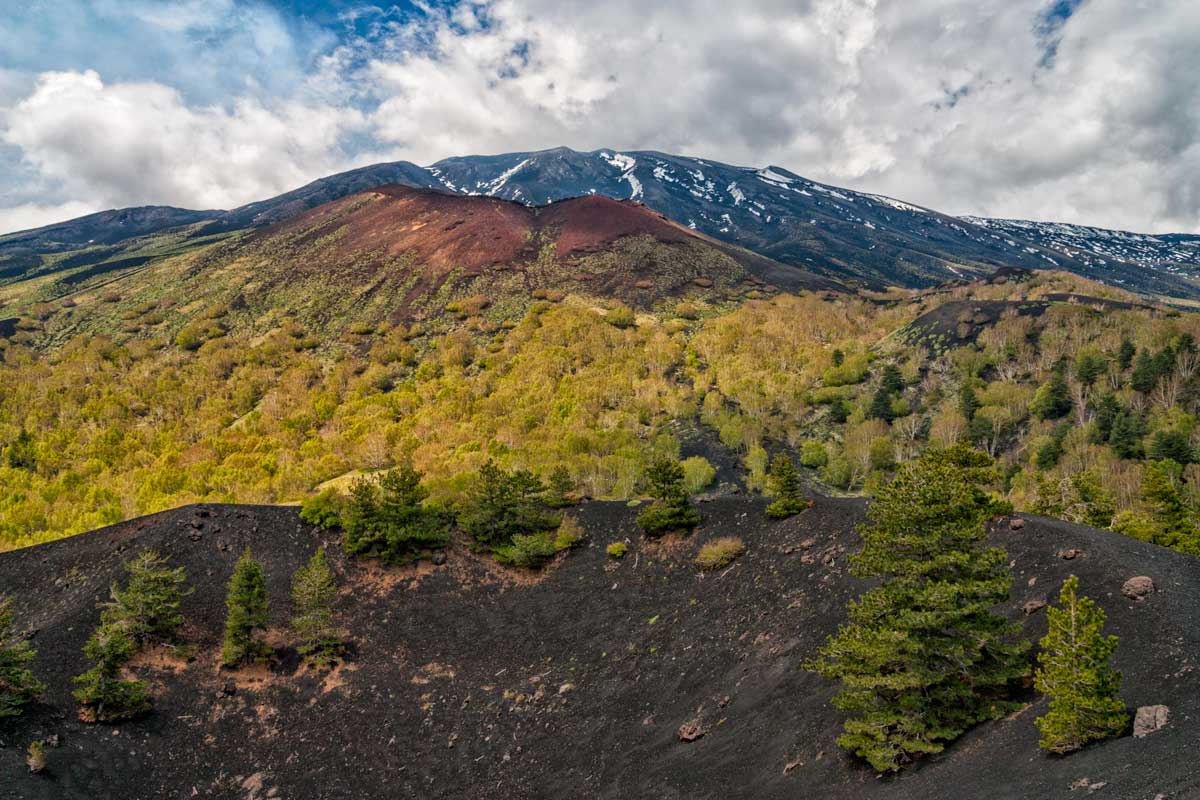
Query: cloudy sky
[[1083, 111]]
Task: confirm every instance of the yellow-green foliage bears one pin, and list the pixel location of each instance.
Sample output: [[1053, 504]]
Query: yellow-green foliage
[[268, 405], [698, 474], [617, 550], [720, 552]]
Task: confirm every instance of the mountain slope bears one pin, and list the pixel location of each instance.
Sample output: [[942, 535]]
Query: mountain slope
[[1104, 250], [470, 681], [396, 253], [835, 232]]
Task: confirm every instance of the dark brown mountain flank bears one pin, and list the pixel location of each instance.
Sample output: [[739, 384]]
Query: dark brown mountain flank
[[470, 681], [444, 231], [470, 235]]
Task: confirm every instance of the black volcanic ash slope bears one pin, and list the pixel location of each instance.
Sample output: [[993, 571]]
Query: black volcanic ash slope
[[468, 683]]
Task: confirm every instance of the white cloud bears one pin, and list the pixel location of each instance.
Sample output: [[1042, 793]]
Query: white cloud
[[33, 215], [134, 143], [952, 104]]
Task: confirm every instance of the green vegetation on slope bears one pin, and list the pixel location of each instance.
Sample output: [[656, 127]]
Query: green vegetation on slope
[[1089, 413]]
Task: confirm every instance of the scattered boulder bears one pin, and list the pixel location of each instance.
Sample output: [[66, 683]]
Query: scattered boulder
[[692, 730], [1138, 588], [1033, 606], [1069, 553], [1149, 719], [1016, 524]]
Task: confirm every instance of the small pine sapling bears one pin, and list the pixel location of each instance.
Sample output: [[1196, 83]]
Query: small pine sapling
[[246, 613], [1074, 672]]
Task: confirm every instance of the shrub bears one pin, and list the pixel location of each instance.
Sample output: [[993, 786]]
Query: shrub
[[526, 550], [189, 338], [1074, 672], [386, 518], [671, 509], [620, 316], [616, 550], [813, 454], [101, 693], [35, 758], [313, 595], [569, 534], [323, 509], [18, 685], [720, 552], [687, 311], [698, 474], [247, 613]]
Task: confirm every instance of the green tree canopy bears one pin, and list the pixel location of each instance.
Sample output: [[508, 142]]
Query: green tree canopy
[[148, 606], [313, 594], [501, 504], [18, 685], [784, 484], [671, 510], [246, 612], [386, 518], [1075, 674], [924, 657]]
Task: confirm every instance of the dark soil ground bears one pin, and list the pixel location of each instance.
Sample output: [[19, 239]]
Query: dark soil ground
[[960, 322], [469, 681]]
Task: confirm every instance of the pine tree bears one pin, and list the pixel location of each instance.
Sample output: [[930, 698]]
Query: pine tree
[[1053, 398], [1074, 672], [21, 453], [1104, 414], [101, 693], [1126, 435], [313, 595], [387, 519], [1125, 353], [924, 658], [1089, 366], [1145, 372], [1173, 519], [561, 487], [671, 509], [968, 402], [246, 613], [18, 685], [891, 380], [784, 484], [501, 505], [881, 406], [1172, 445], [1096, 505], [148, 606]]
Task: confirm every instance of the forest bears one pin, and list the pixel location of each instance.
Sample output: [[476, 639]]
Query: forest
[[1089, 409]]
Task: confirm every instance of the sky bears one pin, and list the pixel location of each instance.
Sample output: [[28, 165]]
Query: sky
[[1082, 111]]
